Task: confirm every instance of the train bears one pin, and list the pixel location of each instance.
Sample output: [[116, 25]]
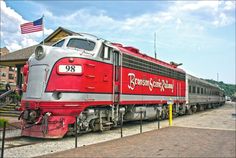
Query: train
[[93, 83]]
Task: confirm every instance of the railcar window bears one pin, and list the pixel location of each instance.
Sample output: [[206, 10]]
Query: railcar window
[[146, 66], [59, 44], [194, 89], [81, 44], [198, 90], [189, 89], [201, 90]]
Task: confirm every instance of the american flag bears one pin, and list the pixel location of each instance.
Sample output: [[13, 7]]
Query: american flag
[[34, 26]]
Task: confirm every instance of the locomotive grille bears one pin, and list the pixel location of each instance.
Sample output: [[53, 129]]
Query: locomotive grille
[[146, 66], [36, 80]]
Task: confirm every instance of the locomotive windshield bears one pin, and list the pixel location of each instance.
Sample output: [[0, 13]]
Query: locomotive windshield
[[59, 44], [81, 44]]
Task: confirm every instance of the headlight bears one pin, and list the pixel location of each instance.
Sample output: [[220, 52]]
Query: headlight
[[39, 52], [57, 95]]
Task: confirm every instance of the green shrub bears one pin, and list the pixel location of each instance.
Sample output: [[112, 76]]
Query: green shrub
[[2, 120]]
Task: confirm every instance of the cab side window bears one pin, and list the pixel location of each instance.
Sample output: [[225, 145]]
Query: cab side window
[[106, 52]]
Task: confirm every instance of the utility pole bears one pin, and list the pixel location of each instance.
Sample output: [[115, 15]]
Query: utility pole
[[155, 53], [217, 77]]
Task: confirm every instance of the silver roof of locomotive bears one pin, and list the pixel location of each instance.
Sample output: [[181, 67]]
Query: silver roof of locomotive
[[55, 53]]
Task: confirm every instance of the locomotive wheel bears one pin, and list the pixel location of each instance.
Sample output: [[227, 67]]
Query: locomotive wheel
[[198, 107], [167, 113], [204, 107], [189, 111], [194, 109], [159, 118], [201, 108], [94, 125], [164, 114], [175, 114]]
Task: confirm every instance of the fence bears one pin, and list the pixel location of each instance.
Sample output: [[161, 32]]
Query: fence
[[11, 130], [8, 97], [8, 131], [141, 111]]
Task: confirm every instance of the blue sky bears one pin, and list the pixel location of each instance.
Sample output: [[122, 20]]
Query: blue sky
[[199, 34]]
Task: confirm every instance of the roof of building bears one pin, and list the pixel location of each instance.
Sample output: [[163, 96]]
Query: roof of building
[[4, 49], [17, 57], [58, 34]]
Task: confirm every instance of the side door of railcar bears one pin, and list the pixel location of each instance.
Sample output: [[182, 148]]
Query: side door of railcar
[[116, 76], [116, 70]]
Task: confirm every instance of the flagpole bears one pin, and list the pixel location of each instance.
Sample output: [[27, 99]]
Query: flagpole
[[43, 28]]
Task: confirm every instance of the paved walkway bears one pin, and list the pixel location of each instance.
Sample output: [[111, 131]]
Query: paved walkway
[[166, 142]]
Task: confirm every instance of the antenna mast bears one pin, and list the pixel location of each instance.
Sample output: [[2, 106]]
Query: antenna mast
[[155, 53]]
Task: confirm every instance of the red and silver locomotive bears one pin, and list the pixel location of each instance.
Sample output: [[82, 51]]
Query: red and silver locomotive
[[99, 81]]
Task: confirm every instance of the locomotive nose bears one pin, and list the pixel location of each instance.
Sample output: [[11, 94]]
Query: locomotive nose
[[66, 76], [36, 81]]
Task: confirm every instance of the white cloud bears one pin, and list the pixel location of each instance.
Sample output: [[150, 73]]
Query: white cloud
[[197, 5], [179, 15], [217, 13], [222, 20], [229, 5], [10, 30]]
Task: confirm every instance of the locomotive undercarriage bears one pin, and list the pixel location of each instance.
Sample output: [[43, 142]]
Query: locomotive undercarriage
[[193, 108], [105, 118]]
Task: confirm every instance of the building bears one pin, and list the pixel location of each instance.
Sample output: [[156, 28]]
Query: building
[[7, 73], [18, 58]]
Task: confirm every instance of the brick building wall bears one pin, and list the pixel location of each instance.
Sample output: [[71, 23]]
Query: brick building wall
[[7, 74]]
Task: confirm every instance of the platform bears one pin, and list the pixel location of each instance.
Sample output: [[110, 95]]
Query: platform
[[166, 142]]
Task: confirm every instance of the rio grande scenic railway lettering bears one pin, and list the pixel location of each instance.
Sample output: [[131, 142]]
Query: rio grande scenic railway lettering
[[162, 84]]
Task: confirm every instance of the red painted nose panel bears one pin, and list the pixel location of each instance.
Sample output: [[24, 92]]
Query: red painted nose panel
[[95, 77]]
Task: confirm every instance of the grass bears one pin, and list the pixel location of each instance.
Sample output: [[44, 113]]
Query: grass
[[2, 120]]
